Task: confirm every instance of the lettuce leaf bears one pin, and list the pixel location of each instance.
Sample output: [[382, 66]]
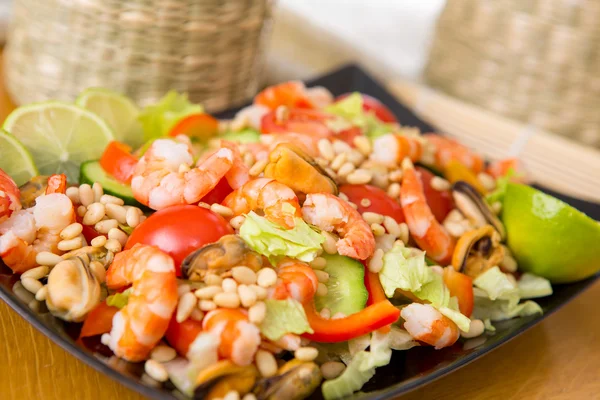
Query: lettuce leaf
[[532, 286], [496, 285], [404, 270], [500, 310], [275, 242], [501, 185], [284, 316], [158, 119], [119, 300], [488, 325]]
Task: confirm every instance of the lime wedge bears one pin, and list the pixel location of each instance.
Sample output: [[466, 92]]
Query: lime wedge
[[119, 112], [548, 237], [15, 160], [59, 136]]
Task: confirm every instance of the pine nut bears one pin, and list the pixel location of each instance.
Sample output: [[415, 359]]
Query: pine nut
[[353, 205], [266, 363], [496, 207], [207, 305], [396, 175], [363, 144], [377, 229], [94, 214], [32, 285], [356, 157], [322, 276], [42, 293], [332, 174], [247, 296], [256, 313], [213, 280], [98, 270], [330, 243], [261, 292], [346, 169], [249, 160], [106, 225], [113, 245], [476, 328], [325, 313], [98, 241], [208, 292], [73, 194], [47, 258], [227, 300], [71, 231], [109, 199], [117, 212], [365, 202], [118, 235], [454, 229], [36, 273], [404, 233], [258, 167], [183, 289], [70, 244], [306, 353], [98, 192], [488, 182], [394, 190], [340, 146], [359, 177], [132, 218], [221, 210], [156, 371], [81, 210], [244, 275], [343, 196], [318, 263], [229, 285], [86, 195], [439, 184], [163, 354], [332, 369], [322, 289], [338, 161], [376, 262], [187, 303], [267, 277], [232, 395], [236, 222], [249, 396], [197, 315], [372, 218], [391, 226], [326, 149]]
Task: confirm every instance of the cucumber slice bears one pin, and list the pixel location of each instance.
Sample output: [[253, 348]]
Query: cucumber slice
[[346, 291], [92, 171]]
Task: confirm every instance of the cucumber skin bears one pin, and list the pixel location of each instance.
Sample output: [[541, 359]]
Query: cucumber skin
[[126, 197]]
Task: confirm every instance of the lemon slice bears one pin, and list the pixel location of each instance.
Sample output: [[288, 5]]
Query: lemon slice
[[119, 112], [15, 160], [59, 136]]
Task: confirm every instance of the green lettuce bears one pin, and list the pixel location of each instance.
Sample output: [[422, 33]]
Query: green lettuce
[[488, 325], [284, 316], [496, 285], [158, 119], [275, 242], [501, 184], [405, 270], [532, 286], [247, 135], [119, 300]]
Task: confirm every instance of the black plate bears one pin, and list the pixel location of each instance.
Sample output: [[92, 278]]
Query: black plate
[[408, 369]]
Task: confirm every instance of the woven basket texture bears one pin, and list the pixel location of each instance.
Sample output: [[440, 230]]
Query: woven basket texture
[[211, 49], [536, 61]]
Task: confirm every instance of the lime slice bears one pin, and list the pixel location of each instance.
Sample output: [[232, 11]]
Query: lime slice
[[15, 160], [59, 136], [548, 237], [119, 112]]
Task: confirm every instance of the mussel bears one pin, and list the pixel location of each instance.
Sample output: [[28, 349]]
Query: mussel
[[291, 166], [73, 289], [474, 207], [224, 376], [32, 189], [477, 251], [219, 257], [295, 380]]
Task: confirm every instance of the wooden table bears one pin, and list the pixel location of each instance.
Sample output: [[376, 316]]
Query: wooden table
[[558, 359]]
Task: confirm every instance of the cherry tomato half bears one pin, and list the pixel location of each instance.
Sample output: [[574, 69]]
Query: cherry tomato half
[[219, 192], [372, 104], [200, 126], [379, 201], [179, 230], [118, 161], [348, 135], [181, 335], [440, 201]]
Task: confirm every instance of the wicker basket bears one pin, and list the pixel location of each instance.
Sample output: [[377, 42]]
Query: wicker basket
[[211, 49], [537, 61]]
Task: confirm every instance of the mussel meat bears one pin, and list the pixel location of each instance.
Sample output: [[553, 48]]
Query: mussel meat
[[224, 376], [474, 207], [477, 251], [295, 380], [33, 189]]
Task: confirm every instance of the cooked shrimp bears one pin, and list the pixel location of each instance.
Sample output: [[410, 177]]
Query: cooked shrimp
[[429, 234], [28, 232], [164, 177], [57, 183], [9, 196], [426, 324], [139, 325], [239, 172], [308, 143], [391, 149], [320, 96], [239, 337], [291, 94], [297, 280], [332, 214], [268, 195], [447, 150]]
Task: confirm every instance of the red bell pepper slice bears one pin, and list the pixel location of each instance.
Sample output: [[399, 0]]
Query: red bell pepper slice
[[199, 126], [118, 161], [98, 321], [376, 292], [461, 287]]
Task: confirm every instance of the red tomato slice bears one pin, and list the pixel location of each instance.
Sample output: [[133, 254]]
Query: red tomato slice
[[201, 126], [348, 135], [381, 203], [179, 230], [460, 286], [440, 202], [98, 321], [308, 122], [219, 192], [181, 335], [118, 161], [370, 103], [88, 232]]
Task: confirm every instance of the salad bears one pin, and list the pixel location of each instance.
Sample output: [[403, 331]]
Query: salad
[[289, 250]]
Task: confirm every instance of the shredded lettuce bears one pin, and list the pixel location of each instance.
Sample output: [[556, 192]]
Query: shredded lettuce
[[275, 242], [284, 316], [247, 135], [496, 285], [361, 369], [404, 270], [119, 300], [488, 325], [501, 185], [434, 291], [532, 286], [157, 119], [400, 339]]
